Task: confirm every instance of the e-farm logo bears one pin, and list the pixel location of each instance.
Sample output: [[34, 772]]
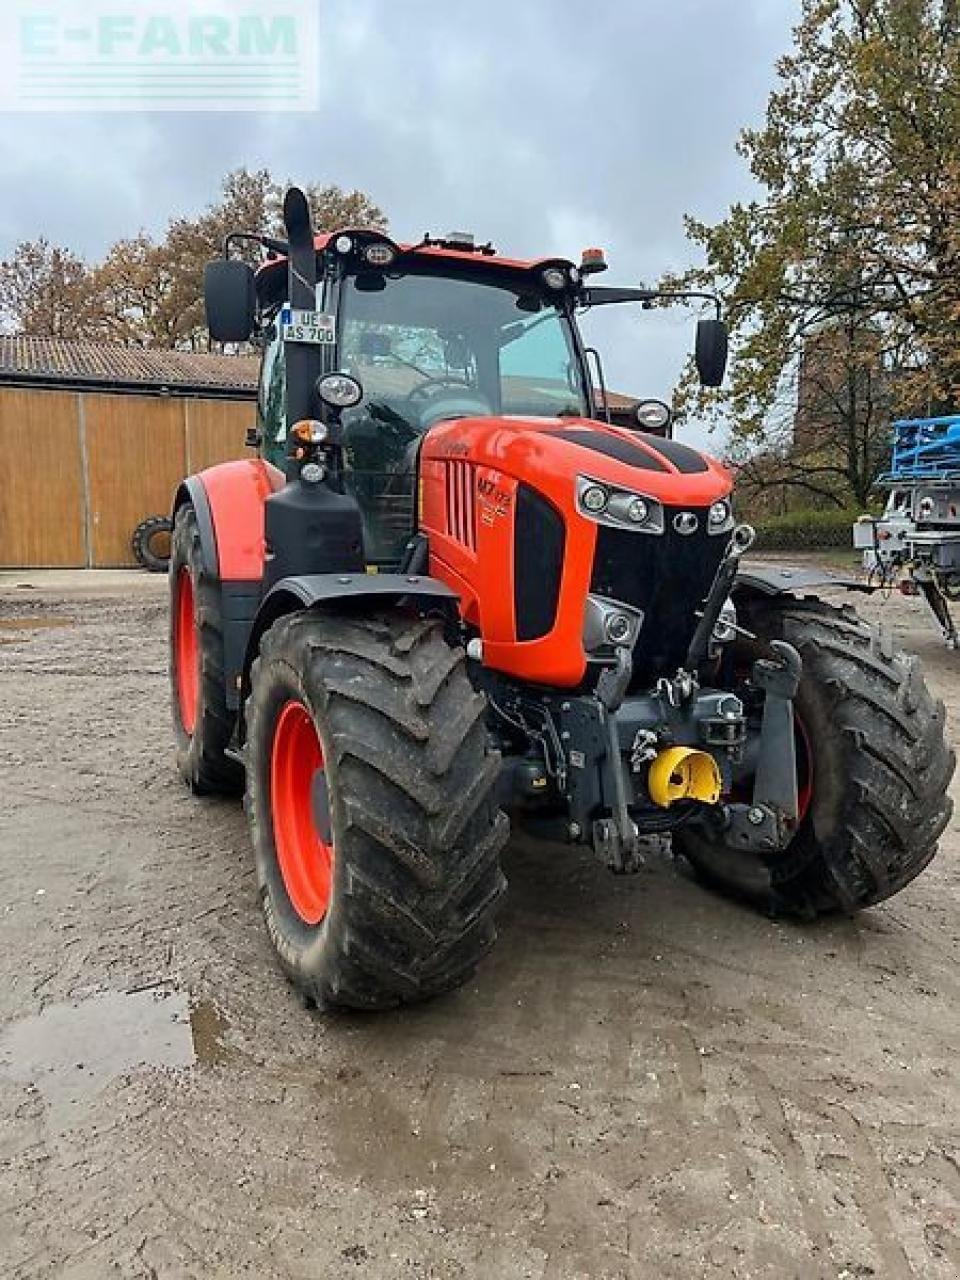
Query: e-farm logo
[[161, 55]]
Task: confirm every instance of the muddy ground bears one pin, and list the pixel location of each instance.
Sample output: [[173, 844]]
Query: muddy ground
[[644, 1079]]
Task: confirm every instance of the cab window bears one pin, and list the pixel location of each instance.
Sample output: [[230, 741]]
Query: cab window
[[271, 398], [539, 374]]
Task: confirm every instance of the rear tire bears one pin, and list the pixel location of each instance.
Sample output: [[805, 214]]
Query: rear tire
[[406, 889], [203, 723], [880, 768]]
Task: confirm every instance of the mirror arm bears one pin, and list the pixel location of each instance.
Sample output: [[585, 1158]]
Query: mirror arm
[[265, 242], [601, 295], [684, 295]]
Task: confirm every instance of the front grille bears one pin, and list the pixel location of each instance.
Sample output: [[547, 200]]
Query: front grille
[[667, 576], [461, 507]]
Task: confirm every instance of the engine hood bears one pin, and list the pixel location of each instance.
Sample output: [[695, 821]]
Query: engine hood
[[545, 451]]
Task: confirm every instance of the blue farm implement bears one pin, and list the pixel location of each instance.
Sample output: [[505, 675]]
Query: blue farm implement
[[915, 544]]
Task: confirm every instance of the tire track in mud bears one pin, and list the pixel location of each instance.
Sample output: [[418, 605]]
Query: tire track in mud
[[780, 1132]]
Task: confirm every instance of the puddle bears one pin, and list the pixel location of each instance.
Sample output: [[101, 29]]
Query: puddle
[[208, 1027], [72, 1051]]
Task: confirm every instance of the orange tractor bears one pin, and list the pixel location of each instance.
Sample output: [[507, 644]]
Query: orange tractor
[[447, 590]]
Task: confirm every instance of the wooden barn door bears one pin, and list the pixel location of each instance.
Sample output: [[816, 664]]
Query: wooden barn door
[[216, 430], [41, 498], [135, 459]]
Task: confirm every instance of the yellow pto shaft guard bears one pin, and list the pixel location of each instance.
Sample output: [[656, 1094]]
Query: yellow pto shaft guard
[[683, 773]]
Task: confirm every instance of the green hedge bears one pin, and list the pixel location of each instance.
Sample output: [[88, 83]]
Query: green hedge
[[807, 531]]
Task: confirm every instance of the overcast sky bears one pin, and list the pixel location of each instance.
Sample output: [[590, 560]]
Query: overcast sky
[[544, 125]]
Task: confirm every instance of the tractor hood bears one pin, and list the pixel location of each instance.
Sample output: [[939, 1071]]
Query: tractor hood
[[550, 452]]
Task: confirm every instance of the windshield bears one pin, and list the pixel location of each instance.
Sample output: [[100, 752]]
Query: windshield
[[426, 348], [432, 346]]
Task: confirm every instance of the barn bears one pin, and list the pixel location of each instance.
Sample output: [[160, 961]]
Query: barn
[[95, 438]]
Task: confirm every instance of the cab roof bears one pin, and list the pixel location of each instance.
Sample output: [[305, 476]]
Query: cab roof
[[433, 252]]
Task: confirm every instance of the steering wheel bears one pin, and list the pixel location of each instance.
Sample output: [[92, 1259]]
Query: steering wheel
[[454, 398], [430, 384]]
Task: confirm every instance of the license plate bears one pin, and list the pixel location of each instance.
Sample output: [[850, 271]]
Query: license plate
[[313, 327]]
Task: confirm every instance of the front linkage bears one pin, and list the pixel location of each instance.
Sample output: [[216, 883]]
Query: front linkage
[[654, 760]]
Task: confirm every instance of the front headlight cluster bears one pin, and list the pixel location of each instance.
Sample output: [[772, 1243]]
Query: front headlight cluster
[[377, 253], [621, 508], [720, 516]]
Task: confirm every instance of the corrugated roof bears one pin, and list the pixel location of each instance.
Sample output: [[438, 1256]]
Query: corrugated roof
[[73, 360], [25, 359], [616, 401]]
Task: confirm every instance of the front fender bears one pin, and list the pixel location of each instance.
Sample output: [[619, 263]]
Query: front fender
[[304, 591], [776, 580]]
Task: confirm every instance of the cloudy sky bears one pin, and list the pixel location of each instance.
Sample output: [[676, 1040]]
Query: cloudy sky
[[544, 125]]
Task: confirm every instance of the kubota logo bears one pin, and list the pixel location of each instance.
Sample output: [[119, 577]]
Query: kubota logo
[[686, 522], [171, 55]]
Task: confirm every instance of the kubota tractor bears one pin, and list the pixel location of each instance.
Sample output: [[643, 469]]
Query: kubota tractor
[[447, 589]]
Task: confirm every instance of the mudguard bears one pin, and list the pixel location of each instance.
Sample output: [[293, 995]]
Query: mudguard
[[191, 490], [301, 592], [228, 500], [774, 580]]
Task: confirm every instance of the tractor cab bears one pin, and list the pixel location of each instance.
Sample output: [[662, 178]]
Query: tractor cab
[[430, 334]]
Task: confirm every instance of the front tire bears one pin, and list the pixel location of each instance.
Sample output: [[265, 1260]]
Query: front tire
[[875, 768], [202, 722], [370, 793]]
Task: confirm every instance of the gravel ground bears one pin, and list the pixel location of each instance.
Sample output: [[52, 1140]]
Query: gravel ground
[[643, 1080]]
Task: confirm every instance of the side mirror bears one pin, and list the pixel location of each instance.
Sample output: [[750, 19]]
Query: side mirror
[[711, 354], [230, 297]]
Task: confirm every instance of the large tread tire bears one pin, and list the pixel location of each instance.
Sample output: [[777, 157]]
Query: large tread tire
[[881, 769], [144, 542], [201, 756], [411, 777]]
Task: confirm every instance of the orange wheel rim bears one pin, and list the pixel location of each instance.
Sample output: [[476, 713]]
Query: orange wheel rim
[[804, 768], [297, 790], [187, 651]]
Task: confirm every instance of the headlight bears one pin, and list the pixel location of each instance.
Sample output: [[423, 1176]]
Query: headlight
[[609, 622], [593, 497], [343, 244], [720, 516], [339, 390], [554, 278], [621, 508], [379, 254], [618, 628]]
